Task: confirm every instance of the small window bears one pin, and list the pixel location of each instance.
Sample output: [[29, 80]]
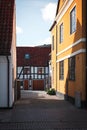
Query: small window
[[27, 56], [35, 76], [39, 76], [52, 42], [43, 76], [72, 68], [39, 70], [32, 70], [73, 20], [46, 70], [61, 33], [61, 70], [35, 70]]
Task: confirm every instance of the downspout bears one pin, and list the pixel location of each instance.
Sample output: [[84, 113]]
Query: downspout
[[86, 52], [56, 58], [7, 81]]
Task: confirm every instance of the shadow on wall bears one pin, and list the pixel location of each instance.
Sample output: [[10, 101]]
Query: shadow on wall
[[75, 86]]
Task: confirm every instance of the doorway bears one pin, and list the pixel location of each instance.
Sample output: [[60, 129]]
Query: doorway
[[26, 84]]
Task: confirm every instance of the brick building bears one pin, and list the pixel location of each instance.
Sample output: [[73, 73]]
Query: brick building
[[7, 52], [33, 67]]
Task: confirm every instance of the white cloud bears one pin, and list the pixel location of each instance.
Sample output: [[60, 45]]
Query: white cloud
[[46, 41], [49, 11], [19, 30]]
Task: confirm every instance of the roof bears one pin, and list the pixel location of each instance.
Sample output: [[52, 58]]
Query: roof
[[57, 7], [38, 56], [54, 23], [6, 25]]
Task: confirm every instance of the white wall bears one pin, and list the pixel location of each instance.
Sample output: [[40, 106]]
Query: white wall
[[11, 88], [3, 81]]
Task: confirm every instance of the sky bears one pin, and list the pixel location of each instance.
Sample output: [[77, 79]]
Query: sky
[[33, 21]]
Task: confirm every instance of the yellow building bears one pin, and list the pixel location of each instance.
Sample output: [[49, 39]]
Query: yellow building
[[68, 54]]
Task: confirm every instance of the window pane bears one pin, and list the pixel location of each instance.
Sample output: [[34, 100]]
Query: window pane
[[32, 76], [61, 70], [61, 33], [35, 76], [46, 70], [39, 76], [27, 56], [31, 69], [72, 68], [40, 70], [21, 76], [42, 76], [73, 20], [35, 69], [52, 42], [25, 77]]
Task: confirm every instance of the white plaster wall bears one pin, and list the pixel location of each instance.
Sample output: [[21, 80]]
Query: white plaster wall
[[3, 81], [11, 88]]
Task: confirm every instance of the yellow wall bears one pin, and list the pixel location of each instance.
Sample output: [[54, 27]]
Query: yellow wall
[[53, 61], [68, 40], [61, 4]]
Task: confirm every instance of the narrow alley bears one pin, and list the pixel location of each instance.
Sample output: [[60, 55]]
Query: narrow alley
[[38, 111]]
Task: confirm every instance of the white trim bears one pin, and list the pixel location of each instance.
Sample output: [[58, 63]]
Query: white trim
[[72, 45], [73, 54], [63, 10], [72, 8]]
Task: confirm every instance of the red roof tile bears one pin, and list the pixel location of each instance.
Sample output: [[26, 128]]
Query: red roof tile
[[6, 25], [39, 56]]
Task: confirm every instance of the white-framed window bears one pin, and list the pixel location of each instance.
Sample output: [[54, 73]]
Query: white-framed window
[[61, 33], [73, 20], [71, 62], [53, 42], [61, 70]]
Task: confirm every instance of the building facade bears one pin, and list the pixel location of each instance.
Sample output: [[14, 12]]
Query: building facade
[[68, 53], [33, 67], [7, 53]]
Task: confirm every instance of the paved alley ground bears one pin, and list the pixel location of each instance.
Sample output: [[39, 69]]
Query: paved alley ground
[[39, 111]]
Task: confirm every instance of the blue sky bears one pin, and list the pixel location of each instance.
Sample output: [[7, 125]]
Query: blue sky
[[33, 20]]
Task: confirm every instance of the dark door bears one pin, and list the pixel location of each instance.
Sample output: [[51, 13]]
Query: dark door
[[38, 84], [26, 84]]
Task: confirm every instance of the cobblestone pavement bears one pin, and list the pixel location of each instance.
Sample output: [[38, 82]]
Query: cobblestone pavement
[[42, 112]]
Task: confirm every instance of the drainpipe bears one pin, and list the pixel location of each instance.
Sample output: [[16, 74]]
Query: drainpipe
[[7, 80], [56, 57], [86, 54]]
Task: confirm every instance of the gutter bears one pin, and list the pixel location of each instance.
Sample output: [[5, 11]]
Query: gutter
[[8, 80]]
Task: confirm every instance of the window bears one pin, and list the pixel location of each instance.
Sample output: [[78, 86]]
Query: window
[[39, 70], [35, 69], [27, 56], [73, 20], [61, 70], [52, 42], [46, 70], [61, 33], [72, 68]]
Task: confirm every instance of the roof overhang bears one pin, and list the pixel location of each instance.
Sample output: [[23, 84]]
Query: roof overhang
[[54, 23]]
